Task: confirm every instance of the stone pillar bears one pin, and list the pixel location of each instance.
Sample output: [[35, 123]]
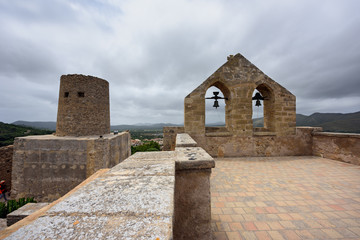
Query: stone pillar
[[194, 114], [169, 139], [192, 193]]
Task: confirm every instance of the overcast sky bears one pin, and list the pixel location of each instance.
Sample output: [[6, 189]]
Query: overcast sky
[[154, 53]]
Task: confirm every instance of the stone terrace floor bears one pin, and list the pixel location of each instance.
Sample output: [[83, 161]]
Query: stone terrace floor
[[285, 198]]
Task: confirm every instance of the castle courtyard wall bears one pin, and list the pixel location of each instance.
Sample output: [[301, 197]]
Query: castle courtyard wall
[[222, 144], [46, 167], [337, 146]]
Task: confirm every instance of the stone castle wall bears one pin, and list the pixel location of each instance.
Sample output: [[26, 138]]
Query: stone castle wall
[[83, 108], [218, 144], [46, 167], [169, 139], [6, 156], [337, 146]]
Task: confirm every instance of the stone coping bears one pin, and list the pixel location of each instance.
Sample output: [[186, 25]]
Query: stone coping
[[184, 140], [133, 200], [23, 212], [27, 209], [333, 134], [188, 156], [193, 158], [53, 137]]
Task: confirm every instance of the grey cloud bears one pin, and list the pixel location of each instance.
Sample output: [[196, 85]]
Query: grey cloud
[[154, 54]]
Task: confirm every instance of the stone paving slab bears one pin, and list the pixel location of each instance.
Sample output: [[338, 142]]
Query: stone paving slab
[[285, 198]]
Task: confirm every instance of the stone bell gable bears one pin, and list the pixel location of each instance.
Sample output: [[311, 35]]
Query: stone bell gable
[[237, 79]]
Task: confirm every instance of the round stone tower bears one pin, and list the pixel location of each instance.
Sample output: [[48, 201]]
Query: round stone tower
[[83, 108]]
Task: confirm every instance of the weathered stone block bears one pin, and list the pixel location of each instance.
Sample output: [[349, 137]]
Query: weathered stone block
[[46, 167], [23, 212]]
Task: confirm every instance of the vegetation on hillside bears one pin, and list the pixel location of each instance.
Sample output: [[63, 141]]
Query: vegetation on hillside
[[37, 125], [147, 147], [143, 134], [8, 132]]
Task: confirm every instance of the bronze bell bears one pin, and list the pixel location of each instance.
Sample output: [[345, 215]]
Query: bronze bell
[[258, 97], [216, 97]]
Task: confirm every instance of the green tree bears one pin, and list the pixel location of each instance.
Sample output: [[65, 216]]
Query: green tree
[[149, 146]]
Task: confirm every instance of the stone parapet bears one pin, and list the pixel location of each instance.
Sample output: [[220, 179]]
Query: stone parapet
[[184, 140], [150, 195], [133, 200], [343, 147], [192, 191], [219, 143], [169, 139], [46, 167], [193, 158]]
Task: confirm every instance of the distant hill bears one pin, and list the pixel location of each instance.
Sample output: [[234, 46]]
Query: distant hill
[[52, 125], [330, 122], [8, 132], [39, 125], [142, 126], [258, 122]]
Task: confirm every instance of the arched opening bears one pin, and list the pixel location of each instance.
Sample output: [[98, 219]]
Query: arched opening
[[217, 110], [264, 114], [214, 109], [257, 111]]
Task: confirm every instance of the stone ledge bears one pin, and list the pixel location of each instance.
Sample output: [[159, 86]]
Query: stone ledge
[[193, 158], [315, 129], [127, 202], [255, 134], [54, 137], [218, 134], [97, 227], [23, 212], [333, 134], [184, 140]]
